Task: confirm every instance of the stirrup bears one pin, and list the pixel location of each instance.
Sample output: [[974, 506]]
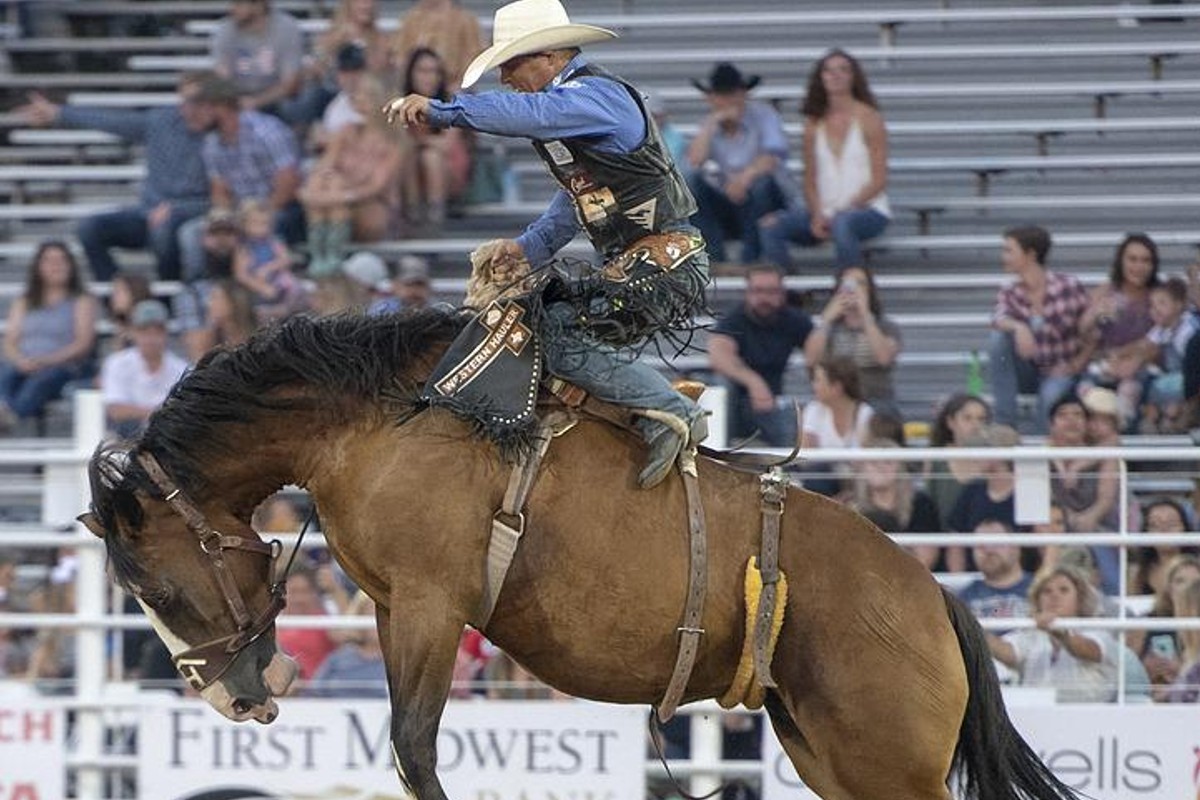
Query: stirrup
[[684, 438]]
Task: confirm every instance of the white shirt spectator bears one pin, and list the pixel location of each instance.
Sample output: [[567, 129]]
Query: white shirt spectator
[[126, 379], [1075, 680], [818, 421]]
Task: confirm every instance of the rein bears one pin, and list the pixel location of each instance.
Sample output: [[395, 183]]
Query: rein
[[204, 664]]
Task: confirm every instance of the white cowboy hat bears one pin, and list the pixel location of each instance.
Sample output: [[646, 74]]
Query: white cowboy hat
[[530, 26]]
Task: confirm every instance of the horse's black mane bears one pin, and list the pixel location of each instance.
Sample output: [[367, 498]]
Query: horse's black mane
[[329, 361]]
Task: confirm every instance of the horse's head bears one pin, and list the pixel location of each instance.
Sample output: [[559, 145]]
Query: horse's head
[[204, 582]]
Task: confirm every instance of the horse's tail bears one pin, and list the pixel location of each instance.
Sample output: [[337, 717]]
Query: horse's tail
[[992, 761]]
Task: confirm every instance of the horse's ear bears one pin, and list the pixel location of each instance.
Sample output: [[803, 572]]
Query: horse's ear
[[92, 523]]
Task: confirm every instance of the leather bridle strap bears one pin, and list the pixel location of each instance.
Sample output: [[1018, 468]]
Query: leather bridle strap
[[204, 664]]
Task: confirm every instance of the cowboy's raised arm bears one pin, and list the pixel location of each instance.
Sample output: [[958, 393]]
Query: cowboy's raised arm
[[577, 108]]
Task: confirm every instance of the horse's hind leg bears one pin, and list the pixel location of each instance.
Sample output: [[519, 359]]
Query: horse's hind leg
[[420, 665], [858, 763]]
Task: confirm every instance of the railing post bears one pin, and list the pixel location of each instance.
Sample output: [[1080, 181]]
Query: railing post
[[90, 665], [706, 751]]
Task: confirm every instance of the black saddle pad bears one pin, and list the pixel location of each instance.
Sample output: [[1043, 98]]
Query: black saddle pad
[[490, 374]]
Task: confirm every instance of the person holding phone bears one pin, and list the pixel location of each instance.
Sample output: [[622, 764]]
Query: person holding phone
[[853, 326]]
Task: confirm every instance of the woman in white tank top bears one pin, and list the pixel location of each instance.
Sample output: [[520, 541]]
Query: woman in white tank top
[[845, 168]]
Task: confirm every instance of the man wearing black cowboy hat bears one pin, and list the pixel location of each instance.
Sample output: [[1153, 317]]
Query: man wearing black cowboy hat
[[738, 158]]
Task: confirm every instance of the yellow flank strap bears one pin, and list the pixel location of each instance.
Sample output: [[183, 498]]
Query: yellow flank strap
[[744, 689]]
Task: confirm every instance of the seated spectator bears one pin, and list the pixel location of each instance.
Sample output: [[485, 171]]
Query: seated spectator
[[1160, 650], [1002, 590], [444, 27], [412, 286], [990, 496], [1191, 358], [127, 290], [1083, 559], [1174, 328], [352, 191], [1185, 688], [1087, 488], [738, 161], [248, 156], [220, 239], [437, 161], [1148, 565], [350, 67], [1035, 344], [175, 189], [309, 646], [959, 417], [887, 486], [470, 664], [263, 265], [845, 168], [369, 273], [836, 417], [135, 381], [49, 337], [1116, 321], [854, 326], [261, 50], [749, 347], [354, 36], [356, 667], [673, 138], [1080, 665], [229, 319]]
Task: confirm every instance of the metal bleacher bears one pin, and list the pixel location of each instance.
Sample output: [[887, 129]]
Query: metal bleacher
[[1077, 116]]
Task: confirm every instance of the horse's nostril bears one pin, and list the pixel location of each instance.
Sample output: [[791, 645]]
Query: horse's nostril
[[241, 706], [269, 718]]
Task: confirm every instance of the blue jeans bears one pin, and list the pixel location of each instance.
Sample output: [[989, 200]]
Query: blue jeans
[[776, 427], [609, 375], [1012, 374], [848, 229], [128, 228], [28, 394], [718, 217]]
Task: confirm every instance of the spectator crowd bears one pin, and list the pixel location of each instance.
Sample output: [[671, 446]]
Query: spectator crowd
[[272, 174]]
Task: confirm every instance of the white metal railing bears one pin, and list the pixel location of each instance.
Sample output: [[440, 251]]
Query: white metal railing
[[64, 494]]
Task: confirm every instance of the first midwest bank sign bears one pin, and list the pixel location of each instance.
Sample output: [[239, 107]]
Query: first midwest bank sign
[[321, 749]]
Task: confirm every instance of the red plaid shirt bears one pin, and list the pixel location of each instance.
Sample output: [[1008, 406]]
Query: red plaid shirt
[[1057, 330]]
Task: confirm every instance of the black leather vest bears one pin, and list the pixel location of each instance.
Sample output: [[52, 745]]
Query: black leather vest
[[619, 197]]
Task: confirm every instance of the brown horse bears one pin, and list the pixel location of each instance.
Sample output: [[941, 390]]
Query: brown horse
[[885, 684]]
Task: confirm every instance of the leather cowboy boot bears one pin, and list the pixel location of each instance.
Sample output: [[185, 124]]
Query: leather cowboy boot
[[675, 434]]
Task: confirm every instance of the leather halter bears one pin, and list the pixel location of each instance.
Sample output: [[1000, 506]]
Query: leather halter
[[203, 665]]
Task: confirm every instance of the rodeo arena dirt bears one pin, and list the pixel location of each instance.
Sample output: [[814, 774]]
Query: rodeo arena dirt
[[606, 400]]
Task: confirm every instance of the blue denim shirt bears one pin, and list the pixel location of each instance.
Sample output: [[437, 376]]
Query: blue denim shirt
[[589, 107]]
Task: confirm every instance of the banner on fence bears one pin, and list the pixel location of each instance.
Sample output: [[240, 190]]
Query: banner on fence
[[327, 749], [32, 748], [1106, 752]]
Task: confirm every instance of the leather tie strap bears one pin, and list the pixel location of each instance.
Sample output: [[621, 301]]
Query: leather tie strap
[[773, 489], [693, 614]]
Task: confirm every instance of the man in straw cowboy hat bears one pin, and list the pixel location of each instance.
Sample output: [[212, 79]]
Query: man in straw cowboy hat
[[619, 184]]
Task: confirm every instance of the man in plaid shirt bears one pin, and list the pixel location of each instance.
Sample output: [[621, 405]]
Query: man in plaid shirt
[[1035, 345]]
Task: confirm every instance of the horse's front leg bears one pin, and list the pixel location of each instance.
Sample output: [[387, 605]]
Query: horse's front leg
[[419, 645]]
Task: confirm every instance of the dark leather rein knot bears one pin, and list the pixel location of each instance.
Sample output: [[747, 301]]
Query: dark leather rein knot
[[203, 665]]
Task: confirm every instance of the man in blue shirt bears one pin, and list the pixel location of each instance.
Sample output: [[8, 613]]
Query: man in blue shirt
[[175, 189], [619, 184]]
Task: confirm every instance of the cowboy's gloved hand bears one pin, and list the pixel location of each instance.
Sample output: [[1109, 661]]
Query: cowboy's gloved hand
[[496, 267]]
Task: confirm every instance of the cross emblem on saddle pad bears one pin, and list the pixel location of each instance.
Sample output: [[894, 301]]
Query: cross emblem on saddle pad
[[506, 331]]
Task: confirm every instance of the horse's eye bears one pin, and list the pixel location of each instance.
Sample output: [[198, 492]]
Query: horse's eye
[[158, 598]]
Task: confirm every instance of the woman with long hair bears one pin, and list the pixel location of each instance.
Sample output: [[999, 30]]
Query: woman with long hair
[[853, 326], [1185, 688], [50, 337], [1116, 321], [961, 416], [887, 487], [1160, 650], [837, 416], [845, 167], [437, 165]]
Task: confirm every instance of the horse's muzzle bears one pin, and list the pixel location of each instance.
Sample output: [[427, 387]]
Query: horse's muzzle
[[248, 693]]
